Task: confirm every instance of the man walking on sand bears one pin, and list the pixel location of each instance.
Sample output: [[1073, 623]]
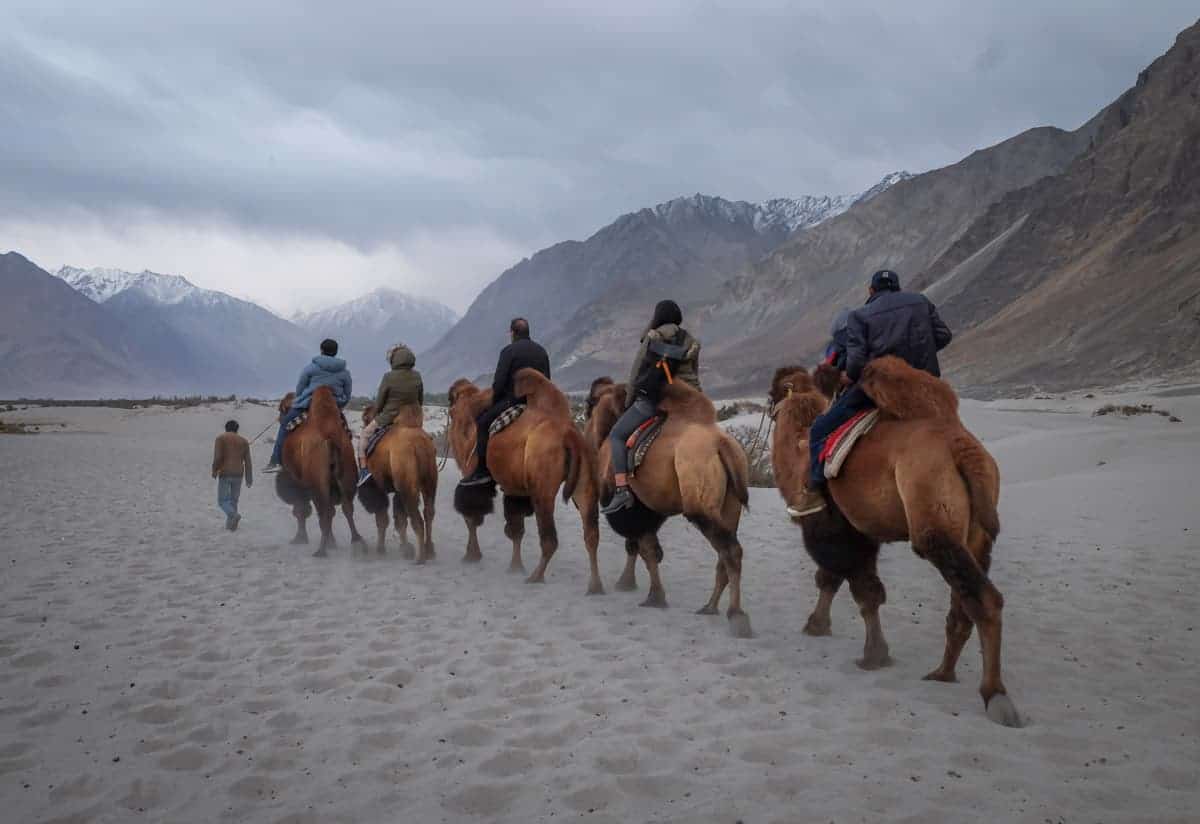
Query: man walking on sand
[[231, 463]]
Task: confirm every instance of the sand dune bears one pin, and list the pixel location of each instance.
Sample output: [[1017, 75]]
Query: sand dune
[[154, 667]]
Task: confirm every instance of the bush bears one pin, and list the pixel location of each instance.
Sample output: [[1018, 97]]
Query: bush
[[762, 474], [1129, 410]]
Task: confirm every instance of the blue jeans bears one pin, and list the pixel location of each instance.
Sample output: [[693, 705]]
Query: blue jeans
[[229, 489], [851, 402], [643, 409], [288, 417]]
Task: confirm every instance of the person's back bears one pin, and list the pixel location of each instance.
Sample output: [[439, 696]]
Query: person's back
[[522, 353], [400, 387], [674, 344], [326, 369], [904, 324], [231, 466]]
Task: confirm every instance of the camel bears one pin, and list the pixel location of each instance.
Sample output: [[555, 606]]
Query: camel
[[403, 463], [318, 468], [694, 469], [530, 459], [918, 475]]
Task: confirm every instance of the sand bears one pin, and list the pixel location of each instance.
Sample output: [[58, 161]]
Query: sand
[[155, 667]]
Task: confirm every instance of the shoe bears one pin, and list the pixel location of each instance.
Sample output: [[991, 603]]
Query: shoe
[[477, 478], [810, 503], [364, 475], [233, 523], [271, 468], [621, 499]]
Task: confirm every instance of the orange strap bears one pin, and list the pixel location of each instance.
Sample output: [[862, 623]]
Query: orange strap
[[664, 366]]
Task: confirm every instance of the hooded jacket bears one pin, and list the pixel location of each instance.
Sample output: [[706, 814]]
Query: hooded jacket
[[324, 370], [400, 387], [682, 353], [904, 324]]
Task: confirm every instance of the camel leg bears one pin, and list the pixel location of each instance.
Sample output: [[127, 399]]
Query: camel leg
[[413, 508], [427, 550], [628, 580], [348, 511], [958, 632], [514, 530], [983, 605], [650, 551], [591, 542], [543, 510], [714, 601], [325, 519], [869, 594], [381, 525], [473, 555], [400, 512], [820, 623], [301, 512], [729, 553]]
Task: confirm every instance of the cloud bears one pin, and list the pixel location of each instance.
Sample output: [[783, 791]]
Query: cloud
[[413, 140]]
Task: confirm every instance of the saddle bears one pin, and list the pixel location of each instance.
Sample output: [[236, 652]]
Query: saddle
[[376, 438], [292, 425], [842, 441], [642, 439], [505, 419]]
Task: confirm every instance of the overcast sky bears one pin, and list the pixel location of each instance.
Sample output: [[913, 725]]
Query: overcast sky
[[300, 152]]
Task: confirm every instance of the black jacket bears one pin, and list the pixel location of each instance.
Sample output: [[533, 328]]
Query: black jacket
[[520, 354], [672, 347], [904, 324]]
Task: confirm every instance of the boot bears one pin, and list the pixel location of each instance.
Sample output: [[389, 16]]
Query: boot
[[810, 502], [622, 499], [477, 478]]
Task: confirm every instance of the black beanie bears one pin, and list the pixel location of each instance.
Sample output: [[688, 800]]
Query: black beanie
[[667, 311]]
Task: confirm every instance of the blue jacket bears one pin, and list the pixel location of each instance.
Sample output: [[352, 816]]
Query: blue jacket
[[323, 371], [904, 324]]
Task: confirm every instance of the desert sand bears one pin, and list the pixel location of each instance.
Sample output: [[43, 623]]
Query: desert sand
[[154, 667]]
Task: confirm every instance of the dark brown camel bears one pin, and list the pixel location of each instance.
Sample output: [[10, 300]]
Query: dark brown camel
[[404, 464], [318, 468], [917, 476], [530, 459], [694, 469]]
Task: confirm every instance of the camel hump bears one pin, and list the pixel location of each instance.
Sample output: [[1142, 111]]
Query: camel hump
[[541, 394], [908, 394], [686, 403]]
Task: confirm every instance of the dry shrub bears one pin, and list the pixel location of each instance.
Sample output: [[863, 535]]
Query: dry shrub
[[762, 474]]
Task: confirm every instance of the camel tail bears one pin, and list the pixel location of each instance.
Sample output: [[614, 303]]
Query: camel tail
[[576, 452], [336, 493], [736, 470], [979, 471]]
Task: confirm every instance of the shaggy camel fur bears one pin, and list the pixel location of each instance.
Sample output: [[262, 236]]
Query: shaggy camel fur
[[530, 459], [404, 463], [318, 468], [917, 476], [694, 469]]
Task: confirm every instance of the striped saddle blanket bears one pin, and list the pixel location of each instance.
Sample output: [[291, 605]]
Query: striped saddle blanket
[[843, 439], [506, 418], [642, 439]]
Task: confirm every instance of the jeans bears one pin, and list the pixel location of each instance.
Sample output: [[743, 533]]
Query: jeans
[[482, 424], [643, 409], [851, 402], [229, 489], [288, 417]]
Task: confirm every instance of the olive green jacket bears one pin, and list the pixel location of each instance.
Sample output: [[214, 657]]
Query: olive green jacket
[[400, 387]]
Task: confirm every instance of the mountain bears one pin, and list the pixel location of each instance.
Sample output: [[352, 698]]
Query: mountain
[[55, 341], [367, 326], [586, 300], [212, 342]]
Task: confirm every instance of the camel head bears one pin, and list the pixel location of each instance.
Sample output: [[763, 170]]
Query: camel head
[[788, 381], [827, 379], [467, 401], [594, 391], [286, 402], [607, 401]]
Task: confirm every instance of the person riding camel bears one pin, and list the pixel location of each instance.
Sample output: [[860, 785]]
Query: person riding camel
[[400, 387], [326, 369], [668, 353], [835, 351], [522, 353], [904, 324]]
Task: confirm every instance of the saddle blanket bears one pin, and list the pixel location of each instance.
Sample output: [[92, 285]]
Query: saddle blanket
[[642, 439], [843, 439], [376, 438], [295, 422], [505, 418]]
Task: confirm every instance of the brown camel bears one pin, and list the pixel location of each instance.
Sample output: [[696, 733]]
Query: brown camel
[[530, 459], [318, 468], [694, 469], [918, 475], [403, 463]]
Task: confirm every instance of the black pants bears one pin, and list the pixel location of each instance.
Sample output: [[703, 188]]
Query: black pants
[[483, 423], [849, 404]]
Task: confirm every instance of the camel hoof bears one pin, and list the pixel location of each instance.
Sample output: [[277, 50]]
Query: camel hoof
[[320, 553], [472, 559], [655, 601], [357, 540], [739, 625], [818, 629], [1002, 711], [940, 675], [874, 662], [595, 588], [535, 580], [516, 569], [300, 540], [707, 610], [626, 585]]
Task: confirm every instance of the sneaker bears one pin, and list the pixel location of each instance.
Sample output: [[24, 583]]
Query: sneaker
[[621, 499], [271, 468], [233, 522], [364, 475], [810, 503], [477, 478]]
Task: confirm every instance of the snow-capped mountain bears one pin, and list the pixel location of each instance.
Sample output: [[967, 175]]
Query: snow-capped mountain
[[367, 326], [101, 285]]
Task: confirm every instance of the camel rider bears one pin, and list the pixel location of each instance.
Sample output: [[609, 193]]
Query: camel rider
[[668, 353], [400, 388], [522, 353], [904, 324], [326, 369]]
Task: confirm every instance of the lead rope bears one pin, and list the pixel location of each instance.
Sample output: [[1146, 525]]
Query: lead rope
[[446, 448], [755, 443]]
